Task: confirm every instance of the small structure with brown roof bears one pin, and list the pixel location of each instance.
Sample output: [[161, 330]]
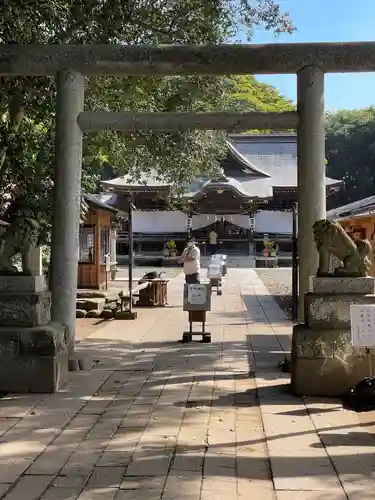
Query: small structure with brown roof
[[96, 246]]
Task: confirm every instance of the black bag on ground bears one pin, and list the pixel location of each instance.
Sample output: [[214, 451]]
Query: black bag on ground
[[362, 397]]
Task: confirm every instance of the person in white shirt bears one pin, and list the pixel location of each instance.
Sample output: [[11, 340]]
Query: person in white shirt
[[212, 240], [191, 258]]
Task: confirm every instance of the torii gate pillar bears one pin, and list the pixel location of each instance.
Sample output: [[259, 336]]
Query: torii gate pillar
[[311, 172], [67, 202]]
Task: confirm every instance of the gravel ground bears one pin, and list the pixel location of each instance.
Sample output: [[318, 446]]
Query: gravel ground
[[278, 281]]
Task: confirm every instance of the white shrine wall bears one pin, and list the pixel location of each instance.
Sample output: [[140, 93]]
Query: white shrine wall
[[269, 221], [159, 222]]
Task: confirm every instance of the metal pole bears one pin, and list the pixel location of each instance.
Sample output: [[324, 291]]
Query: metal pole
[[189, 228], [67, 204], [250, 233], [295, 265], [131, 256]]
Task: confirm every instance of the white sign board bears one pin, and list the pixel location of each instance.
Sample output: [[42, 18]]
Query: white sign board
[[267, 221], [197, 294], [214, 271], [150, 222], [362, 319], [216, 258]]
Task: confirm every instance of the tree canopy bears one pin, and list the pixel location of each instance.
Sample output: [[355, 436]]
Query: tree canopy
[[350, 153], [27, 105], [249, 94]]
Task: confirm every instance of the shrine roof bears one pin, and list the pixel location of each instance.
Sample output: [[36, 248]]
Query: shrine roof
[[273, 154], [127, 182], [255, 165], [359, 208], [100, 202]]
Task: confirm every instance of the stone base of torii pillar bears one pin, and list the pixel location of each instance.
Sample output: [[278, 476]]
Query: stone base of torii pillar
[[324, 362]]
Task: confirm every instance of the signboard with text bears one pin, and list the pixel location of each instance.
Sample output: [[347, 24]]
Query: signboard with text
[[362, 320], [197, 297]]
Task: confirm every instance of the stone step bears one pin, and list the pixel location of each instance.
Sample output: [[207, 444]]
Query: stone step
[[91, 294], [92, 304]]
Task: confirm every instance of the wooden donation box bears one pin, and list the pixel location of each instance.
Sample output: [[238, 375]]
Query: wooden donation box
[[197, 301], [155, 295]]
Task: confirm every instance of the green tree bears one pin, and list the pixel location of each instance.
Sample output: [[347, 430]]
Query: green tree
[[350, 153], [27, 104], [249, 94]]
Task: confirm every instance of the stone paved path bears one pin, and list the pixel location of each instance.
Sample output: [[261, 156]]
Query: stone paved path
[[156, 419]]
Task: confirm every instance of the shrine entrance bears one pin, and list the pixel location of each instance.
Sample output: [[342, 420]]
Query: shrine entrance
[[71, 64], [232, 233]]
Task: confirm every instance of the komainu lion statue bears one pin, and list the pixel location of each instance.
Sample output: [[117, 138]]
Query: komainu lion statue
[[20, 236], [331, 239]]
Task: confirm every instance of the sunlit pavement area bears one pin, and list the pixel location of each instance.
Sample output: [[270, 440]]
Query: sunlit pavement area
[[157, 419]]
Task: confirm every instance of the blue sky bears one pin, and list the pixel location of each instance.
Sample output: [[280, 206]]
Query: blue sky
[[328, 21]]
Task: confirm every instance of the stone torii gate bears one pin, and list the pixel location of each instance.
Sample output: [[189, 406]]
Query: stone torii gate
[[71, 64]]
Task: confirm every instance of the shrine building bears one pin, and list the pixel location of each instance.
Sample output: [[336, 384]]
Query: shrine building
[[249, 202]]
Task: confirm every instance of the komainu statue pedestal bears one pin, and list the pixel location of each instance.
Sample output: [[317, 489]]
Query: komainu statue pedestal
[[324, 363], [33, 351]]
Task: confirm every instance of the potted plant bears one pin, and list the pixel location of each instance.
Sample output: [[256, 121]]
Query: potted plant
[[171, 245], [269, 246]]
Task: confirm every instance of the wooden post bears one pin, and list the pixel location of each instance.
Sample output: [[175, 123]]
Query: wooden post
[[97, 248]]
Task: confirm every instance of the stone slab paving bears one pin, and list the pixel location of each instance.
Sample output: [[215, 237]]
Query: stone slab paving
[[157, 419]]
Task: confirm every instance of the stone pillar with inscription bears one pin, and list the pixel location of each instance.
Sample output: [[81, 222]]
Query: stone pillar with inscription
[[36, 262], [113, 247]]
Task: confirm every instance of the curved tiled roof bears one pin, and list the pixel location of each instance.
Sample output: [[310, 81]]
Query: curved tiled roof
[[274, 154], [127, 181], [249, 168], [262, 162], [360, 207]]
